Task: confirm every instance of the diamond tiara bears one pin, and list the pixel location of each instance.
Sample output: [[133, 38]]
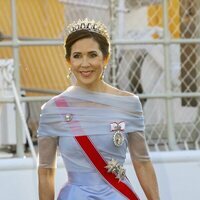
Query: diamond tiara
[[89, 25]]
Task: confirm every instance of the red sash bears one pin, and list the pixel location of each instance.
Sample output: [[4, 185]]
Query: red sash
[[96, 158]]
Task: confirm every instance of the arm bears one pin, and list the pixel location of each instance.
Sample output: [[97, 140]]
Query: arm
[[46, 183], [147, 178], [46, 171], [143, 165]]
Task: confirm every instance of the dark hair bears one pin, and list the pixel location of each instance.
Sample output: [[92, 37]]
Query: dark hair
[[104, 45]]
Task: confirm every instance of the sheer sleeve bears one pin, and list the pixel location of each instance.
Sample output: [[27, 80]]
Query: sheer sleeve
[[47, 147], [138, 147]]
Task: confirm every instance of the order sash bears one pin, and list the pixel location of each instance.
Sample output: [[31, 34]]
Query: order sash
[[96, 158]]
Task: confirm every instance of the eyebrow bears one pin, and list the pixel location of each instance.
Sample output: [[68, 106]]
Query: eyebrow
[[89, 52]]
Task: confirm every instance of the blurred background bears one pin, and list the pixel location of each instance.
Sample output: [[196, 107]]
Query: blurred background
[[155, 54]]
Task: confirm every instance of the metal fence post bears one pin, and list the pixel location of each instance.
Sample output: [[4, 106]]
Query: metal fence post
[[19, 135], [169, 103], [113, 16]]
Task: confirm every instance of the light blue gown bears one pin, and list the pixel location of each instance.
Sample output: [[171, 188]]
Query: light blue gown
[[94, 112]]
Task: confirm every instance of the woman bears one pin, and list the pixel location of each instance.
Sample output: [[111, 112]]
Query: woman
[[93, 123]]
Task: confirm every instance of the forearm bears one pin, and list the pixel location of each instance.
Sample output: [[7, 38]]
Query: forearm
[[46, 183], [147, 178]]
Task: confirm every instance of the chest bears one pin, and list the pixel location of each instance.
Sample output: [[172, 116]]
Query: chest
[[103, 143]]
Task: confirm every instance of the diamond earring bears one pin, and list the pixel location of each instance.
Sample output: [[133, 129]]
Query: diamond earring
[[102, 75], [69, 74]]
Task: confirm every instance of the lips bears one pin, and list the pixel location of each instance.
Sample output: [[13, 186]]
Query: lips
[[86, 73]]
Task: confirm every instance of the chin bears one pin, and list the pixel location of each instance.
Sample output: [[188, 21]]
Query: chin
[[87, 82]]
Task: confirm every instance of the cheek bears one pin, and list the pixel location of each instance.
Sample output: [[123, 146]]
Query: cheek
[[75, 65], [95, 63], [98, 63]]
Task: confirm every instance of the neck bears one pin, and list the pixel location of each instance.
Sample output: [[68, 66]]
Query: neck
[[99, 86]]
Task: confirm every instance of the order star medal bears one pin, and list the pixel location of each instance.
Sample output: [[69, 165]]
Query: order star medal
[[114, 167], [118, 138]]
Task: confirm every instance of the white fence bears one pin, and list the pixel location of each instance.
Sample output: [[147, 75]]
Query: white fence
[[177, 172]]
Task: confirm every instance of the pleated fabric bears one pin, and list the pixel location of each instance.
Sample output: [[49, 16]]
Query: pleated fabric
[[93, 110]]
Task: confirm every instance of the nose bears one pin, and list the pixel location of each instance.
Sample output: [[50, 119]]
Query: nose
[[85, 62]]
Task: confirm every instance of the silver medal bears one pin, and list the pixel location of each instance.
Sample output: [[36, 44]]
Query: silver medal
[[118, 137]]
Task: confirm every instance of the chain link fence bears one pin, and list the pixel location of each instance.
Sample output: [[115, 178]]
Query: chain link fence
[[155, 54]]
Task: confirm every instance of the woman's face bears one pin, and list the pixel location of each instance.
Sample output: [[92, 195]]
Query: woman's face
[[87, 62]]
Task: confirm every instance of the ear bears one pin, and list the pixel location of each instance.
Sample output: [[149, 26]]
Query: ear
[[106, 59], [68, 62]]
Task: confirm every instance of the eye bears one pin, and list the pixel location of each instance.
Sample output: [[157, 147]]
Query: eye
[[76, 56], [93, 55]]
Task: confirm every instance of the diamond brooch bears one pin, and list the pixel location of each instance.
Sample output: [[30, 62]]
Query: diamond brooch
[[68, 117]]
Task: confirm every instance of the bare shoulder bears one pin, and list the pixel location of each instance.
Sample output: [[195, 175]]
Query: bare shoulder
[[112, 90]]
